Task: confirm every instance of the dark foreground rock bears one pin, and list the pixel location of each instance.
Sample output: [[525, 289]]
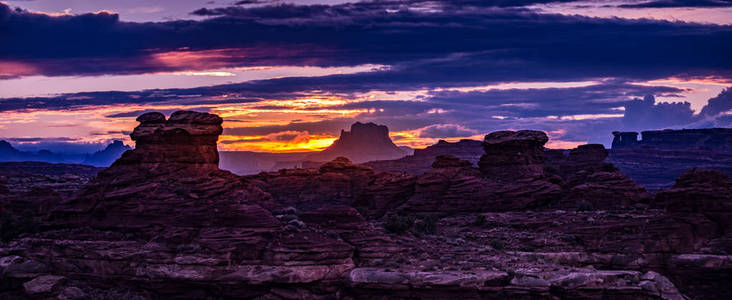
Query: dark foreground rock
[[422, 159], [156, 226]]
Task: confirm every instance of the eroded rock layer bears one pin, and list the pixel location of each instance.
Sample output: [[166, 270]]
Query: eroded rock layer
[[165, 222]]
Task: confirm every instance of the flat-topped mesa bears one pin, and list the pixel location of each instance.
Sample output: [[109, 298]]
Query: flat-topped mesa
[[365, 142], [712, 139], [187, 138], [512, 155]]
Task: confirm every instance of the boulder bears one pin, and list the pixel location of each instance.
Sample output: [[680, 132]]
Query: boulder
[[45, 284]]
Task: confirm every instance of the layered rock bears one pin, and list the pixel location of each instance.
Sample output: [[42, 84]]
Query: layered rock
[[422, 159], [164, 213], [175, 226], [708, 192], [592, 182], [449, 161], [338, 182], [661, 156], [511, 155], [187, 139]]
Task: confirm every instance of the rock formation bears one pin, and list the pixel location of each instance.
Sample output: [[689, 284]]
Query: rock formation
[[422, 159], [365, 142], [449, 161], [165, 222], [712, 139], [661, 156], [708, 192], [511, 155]]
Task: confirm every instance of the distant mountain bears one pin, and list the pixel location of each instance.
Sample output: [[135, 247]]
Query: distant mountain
[[106, 157], [9, 153], [365, 142], [102, 158]]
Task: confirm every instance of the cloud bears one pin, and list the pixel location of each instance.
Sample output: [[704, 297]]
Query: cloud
[[719, 104], [293, 137], [324, 127], [136, 113], [446, 131], [678, 3], [646, 113], [449, 38]]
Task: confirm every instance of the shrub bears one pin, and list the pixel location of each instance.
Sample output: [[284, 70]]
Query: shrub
[[398, 223], [12, 226], [550, 170], [608, 167], [426, 225], [497, 244], [479, 220], [585, 206]]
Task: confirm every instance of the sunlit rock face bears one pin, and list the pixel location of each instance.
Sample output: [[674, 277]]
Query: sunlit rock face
[[365, 142]]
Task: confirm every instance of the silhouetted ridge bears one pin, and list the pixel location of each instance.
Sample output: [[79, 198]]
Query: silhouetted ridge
[[108, 155], [365, 142]]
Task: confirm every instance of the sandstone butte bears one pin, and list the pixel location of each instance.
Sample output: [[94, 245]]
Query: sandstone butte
[[164, 222]]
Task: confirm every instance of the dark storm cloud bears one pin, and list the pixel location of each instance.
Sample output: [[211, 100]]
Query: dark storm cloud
[[646, 113], [167, 112], [525, 103], [472, 36], [719, 104], [678, 3], [90, 99]]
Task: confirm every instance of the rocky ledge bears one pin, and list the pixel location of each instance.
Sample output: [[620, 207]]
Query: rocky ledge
[[525, 224]]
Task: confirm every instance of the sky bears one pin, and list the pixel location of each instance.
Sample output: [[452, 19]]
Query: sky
[[287, 76]]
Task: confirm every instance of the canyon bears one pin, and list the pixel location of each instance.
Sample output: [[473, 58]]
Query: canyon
[[519, 221]]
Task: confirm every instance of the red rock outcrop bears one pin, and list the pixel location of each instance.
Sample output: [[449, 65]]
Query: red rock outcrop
[[175, 226], [164, 213], [449, 161], [186, 139], [592, 182], [421, 161], [512, 155], [707, 192]]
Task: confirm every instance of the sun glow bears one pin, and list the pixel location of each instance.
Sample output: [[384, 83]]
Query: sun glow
[[302, 143]]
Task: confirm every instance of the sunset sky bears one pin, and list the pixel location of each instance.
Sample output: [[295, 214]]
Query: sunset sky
[[289, 75]]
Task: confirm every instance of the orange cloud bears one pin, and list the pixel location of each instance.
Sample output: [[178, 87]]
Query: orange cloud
[[288, 141]]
